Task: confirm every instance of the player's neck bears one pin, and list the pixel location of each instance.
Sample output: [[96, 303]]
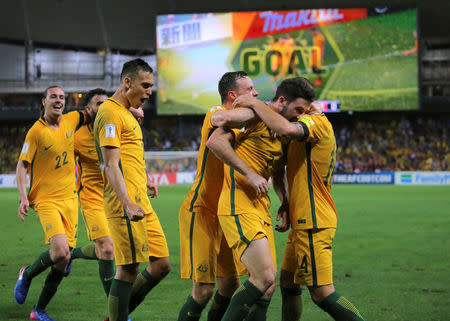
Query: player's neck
[[228, 105], [52, 121], [119, 96]]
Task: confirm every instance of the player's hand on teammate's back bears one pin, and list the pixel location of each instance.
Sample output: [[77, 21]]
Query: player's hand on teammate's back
[[283, 215], [23, 209], [245, 101], [134, 212], [153, 189], [258, 182]]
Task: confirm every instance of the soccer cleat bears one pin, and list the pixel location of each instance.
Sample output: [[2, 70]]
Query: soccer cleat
[[67, 270], [22, 287], [40, 315]]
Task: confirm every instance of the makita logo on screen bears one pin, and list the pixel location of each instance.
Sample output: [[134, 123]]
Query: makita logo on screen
[[274, 21]]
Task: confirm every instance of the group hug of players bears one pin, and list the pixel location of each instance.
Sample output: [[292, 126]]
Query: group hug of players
[[225, 223]]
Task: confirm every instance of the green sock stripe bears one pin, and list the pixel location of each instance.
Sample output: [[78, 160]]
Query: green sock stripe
[[295, 291], [346, 304], [141, 287], [118, 299], [313, 258], [146, 275]]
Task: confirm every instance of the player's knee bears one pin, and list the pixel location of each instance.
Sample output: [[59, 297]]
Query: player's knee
[[202, 293], [105, 249], [165, 268], [61, 256], [268, 279], [229, 287], [161, 267]]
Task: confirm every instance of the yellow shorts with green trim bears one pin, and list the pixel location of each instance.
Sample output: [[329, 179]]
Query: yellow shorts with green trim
[[289, 259], [240, 230], [135, 242], [59, 217], [204, 253], [95, 222], [313, 250]]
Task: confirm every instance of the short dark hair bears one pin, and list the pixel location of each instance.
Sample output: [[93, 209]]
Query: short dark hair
[[50, 87], [293, 88], [228, 82], [91, 93], [131, 68]]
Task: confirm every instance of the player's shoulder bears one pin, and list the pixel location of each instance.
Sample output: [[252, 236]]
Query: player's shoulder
[[38, 126], [214, 109]]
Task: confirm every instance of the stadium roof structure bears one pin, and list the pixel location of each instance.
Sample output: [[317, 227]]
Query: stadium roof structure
[[130, 25]]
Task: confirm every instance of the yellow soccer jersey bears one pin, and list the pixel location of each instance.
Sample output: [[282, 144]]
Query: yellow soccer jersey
[[115, 126], [90, 180], [50, 154], [209, 177], [259, 151], [310, 165]]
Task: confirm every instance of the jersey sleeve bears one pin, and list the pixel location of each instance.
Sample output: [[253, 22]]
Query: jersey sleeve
[[211, 112], [109, 128], [29, 147], [312, 128]]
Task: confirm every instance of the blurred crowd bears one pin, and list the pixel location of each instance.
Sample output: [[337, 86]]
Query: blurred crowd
[[419, 143], [393, 145]]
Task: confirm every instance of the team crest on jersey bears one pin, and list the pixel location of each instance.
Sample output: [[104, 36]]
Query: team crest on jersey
[[25, 148], [48, 227], [68, 134], [307, 120], [202, 268], [110, 130]]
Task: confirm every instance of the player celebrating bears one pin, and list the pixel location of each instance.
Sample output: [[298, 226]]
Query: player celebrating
[[90, 191], [204, 252], [313, 217], [244, 210], [134, 226], [317, 54], [48, 155]]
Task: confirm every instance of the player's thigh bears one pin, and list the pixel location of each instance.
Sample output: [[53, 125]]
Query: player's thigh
[[241, 230], [229, 265], [289, 258], [59, 217], [95, 221], [313, 249], [199, 244], [130, 240]]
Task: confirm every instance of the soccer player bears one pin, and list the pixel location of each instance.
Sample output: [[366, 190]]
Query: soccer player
[[134, 226], [313, 217], [317, 54], [243, 210], [48, 156], [90, 191], [204, 252]]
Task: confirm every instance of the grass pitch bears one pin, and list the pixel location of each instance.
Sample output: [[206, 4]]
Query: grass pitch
[[391, 259]]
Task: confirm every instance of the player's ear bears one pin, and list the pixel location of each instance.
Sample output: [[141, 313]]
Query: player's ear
[[127, 82], [232, 95]]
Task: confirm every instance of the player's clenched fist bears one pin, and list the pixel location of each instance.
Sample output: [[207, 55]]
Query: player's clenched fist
[[134, 212]]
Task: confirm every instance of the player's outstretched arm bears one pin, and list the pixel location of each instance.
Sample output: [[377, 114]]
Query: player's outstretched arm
[[111, 157], [220, 143], [280, 125], [21, 181], [233, 118]]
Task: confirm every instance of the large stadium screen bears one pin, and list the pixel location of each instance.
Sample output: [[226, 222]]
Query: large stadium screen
[[358, 59]]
